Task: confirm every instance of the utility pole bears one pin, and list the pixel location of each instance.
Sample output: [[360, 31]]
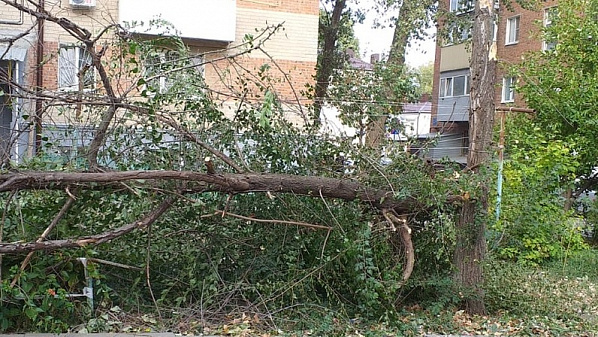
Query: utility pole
[[471, 226], [39, 80]]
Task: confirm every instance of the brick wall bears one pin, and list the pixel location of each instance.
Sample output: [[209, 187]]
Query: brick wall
[[293, 49], [222, 77], [297, 41], [9, 15], [530, 23], [508, 55]]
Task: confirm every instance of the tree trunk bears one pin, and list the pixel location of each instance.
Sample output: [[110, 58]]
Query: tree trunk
[[411, 20], [328, 61], [403, 25], [471, 226]]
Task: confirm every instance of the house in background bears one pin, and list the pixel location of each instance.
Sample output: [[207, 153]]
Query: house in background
[[413, 122], [208, 27], [516, 33]]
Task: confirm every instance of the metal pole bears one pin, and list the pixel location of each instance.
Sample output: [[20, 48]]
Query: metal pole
[[501, 150], [87, 291]]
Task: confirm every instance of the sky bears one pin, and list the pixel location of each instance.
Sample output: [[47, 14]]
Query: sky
[[378, 40]]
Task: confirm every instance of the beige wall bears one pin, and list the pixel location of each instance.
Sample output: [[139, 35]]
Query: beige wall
[[293, 49], [297, 41], [454, 57]]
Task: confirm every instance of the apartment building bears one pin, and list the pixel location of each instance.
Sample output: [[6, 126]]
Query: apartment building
[[208, 28], [516, 32]]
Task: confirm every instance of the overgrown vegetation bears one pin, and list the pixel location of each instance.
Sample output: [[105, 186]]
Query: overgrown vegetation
[[242, 262]]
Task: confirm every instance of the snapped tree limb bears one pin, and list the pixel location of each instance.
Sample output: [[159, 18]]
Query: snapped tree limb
[[16, 248], [227, 183]]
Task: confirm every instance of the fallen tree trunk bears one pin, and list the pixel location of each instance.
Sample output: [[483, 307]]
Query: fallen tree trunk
[[195, 182], [324, 187]]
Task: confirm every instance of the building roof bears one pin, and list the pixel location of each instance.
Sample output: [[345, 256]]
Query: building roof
[[356, 63], [420, 107]]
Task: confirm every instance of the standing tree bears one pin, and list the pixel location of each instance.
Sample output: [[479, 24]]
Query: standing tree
[[331, 56], [410, 22], [471, 226]]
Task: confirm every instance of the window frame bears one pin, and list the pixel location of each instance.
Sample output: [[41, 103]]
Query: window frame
[[513, 19], [508, 96], [76, 66], [447, 84], [461, 6], [158, 69]]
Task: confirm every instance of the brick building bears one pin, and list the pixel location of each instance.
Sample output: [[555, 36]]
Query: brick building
[[517, 31], [208, 27]]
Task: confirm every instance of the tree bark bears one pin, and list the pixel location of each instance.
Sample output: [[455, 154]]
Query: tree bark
[[328, 61], [227, 183], [317, 187], [471, 225]]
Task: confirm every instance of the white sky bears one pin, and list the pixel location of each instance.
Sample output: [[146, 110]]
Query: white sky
[[378, 40]]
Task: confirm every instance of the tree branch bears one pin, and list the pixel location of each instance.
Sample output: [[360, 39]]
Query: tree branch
[[405, 234], [286, 222], [16, 248]]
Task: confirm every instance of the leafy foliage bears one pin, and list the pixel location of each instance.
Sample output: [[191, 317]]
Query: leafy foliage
[[561, 84], [534, 226], [552, 153]]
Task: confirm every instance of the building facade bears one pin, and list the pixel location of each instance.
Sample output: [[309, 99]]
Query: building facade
[[517, 31], [208, 27]]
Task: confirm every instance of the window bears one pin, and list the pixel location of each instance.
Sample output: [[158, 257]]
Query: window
[[512, 36], [459, 33], [462, 6], [454, 86], [75, 70], [549, 16], [156, 66], [508, 89], [160, 69]]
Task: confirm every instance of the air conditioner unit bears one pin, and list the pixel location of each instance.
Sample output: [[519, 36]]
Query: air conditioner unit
[[82, 3]]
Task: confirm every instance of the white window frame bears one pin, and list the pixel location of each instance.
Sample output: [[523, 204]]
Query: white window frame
[[512, 37], [458, 34], [461, 6], [547, 21], [170, 56], [70, 64], [508, 89], [447, 86]]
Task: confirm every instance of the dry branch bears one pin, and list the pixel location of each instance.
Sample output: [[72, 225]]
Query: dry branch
[[16, 248], [284, 222], [405, 235]]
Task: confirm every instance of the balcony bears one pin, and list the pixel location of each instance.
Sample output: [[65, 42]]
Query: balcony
[[207, 20]]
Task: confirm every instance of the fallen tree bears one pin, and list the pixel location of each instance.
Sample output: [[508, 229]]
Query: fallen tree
[[149, 144]]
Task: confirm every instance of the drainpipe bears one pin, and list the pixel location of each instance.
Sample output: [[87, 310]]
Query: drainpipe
[[39, 79]]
